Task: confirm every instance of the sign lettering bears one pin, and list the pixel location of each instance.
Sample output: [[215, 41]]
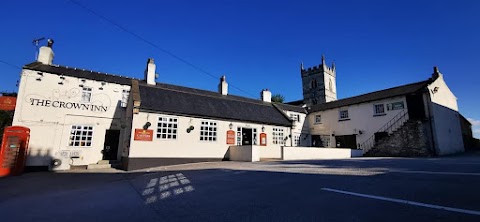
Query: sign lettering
[[67, 105]]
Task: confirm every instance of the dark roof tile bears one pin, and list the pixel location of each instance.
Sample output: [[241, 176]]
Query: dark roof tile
[[377, 95]]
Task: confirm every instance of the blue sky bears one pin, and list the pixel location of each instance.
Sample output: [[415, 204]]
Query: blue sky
[[257, 44]]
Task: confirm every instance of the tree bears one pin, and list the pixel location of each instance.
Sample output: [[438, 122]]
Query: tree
[[277, 98]]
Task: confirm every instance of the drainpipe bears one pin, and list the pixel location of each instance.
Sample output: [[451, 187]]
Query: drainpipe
[[430, 122]]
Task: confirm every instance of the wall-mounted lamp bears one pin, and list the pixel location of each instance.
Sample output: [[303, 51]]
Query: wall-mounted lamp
[[360, 132], [147, 124], [230, 126], [263, 129], [60, 83], [101, 87], [435, 90], [189, 129], [40, 73], [62, 77]]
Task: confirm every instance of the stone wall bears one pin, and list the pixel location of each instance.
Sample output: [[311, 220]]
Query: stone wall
[[412, 139]]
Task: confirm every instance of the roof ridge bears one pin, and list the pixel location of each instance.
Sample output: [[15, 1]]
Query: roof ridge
[[382, 90], [34, 64], [226, 97]]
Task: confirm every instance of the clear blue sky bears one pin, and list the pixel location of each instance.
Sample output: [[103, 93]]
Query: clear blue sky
[[257, 44]]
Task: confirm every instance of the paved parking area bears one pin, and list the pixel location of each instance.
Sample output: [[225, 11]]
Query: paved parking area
[[362, 189]]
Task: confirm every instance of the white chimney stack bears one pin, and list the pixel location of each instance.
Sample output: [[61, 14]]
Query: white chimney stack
[[150, 72], [223, 86], [45, 54], [266, 95]]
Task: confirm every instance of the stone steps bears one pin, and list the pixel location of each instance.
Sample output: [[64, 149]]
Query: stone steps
[[104, 164]]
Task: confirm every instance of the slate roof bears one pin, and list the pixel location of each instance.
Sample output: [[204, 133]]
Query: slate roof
[[293, 108], [79, 73], [377, 95], [200, 103]]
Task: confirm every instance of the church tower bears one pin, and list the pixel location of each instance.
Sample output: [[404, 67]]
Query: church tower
[[319, 84]]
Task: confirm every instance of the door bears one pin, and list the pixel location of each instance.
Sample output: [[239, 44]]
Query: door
[[246, 136], [346, 141], [416, 109], [317, 141], [110, 147]]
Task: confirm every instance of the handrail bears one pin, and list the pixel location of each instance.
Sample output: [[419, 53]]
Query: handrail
[[396, 122]]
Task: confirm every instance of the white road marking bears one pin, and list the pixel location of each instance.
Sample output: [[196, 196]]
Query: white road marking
[[435, 172], [458, 210]]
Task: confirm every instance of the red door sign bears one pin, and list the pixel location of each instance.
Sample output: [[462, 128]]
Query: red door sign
[[263, 139], [143, 135], [230, 137]]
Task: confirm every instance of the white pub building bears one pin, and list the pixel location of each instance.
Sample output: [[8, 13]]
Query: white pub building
[[79, 117]]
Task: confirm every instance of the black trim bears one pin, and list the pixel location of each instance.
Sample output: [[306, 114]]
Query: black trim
[[340, 120], [381, 114]]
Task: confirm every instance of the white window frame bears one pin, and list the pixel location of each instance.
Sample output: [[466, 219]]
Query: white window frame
[[278, 135], [342, 116], [167, 128], [378, 107], [318, 119], [295, 117], [208, 131], [81, 136], [296, 140], [86, 91]]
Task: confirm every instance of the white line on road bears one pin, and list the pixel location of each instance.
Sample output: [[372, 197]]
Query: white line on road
[[406, 202], [435, 172]]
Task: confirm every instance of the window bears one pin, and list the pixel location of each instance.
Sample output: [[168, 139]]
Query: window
[[81, 136], [167, 128], [313, 84], [330, 87], [255, 136], [208, 131], [343, 114], [86, 94], [325, 140], [295, 117], [318, 119], [278, 136], [378, 109], [124, 101], [296, 140]]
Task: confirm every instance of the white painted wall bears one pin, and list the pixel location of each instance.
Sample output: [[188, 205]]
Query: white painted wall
[[309, 153], [361, 119], [300, 128], [245, 153], [445, 118], [50, 126], [270, 152], [188, 145]]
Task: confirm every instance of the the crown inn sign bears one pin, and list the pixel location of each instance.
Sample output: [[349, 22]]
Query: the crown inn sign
[[67, 105]]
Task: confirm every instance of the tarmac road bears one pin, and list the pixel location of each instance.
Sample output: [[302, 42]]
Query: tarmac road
[[361, 189]]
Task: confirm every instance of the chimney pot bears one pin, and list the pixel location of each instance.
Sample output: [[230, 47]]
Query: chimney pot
[[223, 86], [150, 72]]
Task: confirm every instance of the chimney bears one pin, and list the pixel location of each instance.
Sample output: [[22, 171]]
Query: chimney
[[436, 73], [150, 72], [266, 95], [223, 86], [45, 54]]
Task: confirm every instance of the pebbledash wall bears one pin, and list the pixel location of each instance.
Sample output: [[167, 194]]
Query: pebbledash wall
[[50, 104]]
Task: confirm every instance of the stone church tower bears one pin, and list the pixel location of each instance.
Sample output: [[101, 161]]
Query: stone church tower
[[319, 84]]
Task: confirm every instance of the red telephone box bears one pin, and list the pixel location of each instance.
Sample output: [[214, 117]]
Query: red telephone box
[[13, 152]]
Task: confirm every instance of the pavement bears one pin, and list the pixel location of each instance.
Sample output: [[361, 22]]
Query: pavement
[[359, 189]]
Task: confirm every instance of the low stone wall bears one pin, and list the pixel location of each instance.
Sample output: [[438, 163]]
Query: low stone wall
[[311, 153], [244, 153]]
